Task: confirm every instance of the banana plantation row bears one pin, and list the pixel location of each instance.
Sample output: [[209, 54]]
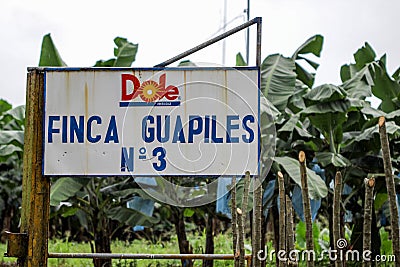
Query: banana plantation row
[[346, 137]]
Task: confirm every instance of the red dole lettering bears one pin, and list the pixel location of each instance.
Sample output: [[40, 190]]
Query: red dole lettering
[[149, 91]]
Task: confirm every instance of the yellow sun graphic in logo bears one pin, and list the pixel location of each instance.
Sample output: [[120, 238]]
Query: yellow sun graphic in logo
[[149, 91]]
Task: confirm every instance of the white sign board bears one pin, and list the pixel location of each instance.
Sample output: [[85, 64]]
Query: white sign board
[[174, 121]]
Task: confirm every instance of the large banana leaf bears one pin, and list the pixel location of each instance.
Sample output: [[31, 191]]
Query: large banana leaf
[[325, 93], [13, 119], [294, 123], [278, 80], [362, 57], [328, 117], [17, 113], [376, 113], [12, 137], [4, 106], [290, 124], [131, 217], [359, 85], [64, 188], [240, 60], [297, 102], [385, 88], [8, 150], [391, 128], [327, 123], [125, 54], [337, 160], [357, 78], [368, 73], [312, 46], [162, 190], [343, 106], [11, 132], [268, 113], [49, 55], [316, 186]]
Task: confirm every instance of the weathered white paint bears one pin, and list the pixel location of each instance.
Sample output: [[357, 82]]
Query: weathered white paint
[[91, 95]]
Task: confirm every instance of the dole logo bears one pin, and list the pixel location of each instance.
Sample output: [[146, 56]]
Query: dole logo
[[150, 92]]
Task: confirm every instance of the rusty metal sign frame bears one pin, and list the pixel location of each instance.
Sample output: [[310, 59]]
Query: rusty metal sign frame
[[30, 246]]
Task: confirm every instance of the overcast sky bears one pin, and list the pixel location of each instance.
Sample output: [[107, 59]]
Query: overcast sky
[[83, 32]]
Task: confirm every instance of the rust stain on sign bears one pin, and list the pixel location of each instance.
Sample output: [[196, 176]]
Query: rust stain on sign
[[225, 91], [86, 99], [86, 116]]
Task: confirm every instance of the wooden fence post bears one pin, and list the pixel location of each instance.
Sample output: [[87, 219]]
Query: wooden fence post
[[306, 206], [257, 220], [337, 198], [35, 187], [391, 189], [282, 217], [368, 203]]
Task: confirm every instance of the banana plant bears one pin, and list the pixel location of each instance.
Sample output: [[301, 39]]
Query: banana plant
[[12, 122], [335, 124], [367, 77], [96, 201], [285, 82]]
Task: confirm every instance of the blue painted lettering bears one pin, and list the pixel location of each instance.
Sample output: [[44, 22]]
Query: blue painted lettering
[[179, 135], [127, 159], [90, 138], [250, 138], [194, 130], [112, 132], [230, 127], [50, 129], [214, 137], [147, 132]]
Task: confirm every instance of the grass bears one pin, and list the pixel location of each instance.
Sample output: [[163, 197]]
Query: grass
[[222, 246]]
